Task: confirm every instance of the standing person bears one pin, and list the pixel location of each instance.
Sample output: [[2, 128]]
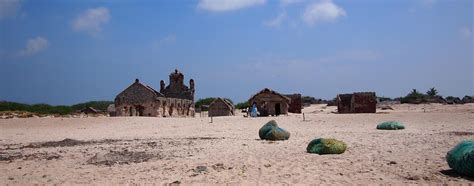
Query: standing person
[[253, 110]]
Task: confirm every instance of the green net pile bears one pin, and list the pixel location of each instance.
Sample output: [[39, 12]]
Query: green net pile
[[271, 131], [390, 125], [461, 158], [326, 146]]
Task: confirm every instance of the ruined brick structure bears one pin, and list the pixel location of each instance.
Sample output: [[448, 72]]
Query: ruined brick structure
[[359, 102], [295, 103], [174, 100], [221, 107], [270, 102]]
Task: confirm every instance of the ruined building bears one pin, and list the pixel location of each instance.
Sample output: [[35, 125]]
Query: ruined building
[[359, 102], [174, 100]]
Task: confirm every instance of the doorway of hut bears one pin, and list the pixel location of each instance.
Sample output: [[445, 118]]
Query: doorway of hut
[[277, 109]]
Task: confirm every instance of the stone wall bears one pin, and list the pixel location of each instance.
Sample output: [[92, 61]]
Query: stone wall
[[295, 104], [364, 102], [359, 102]]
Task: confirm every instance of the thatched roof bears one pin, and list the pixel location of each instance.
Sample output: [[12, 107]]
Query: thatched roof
[[267, 90], [226, 102], [137, 82]]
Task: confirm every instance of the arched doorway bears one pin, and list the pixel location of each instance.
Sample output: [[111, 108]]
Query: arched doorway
[[171, 109], [139, 109]]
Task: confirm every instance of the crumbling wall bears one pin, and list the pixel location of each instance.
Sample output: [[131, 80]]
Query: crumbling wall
[[344, 103], [364, 102], [295, 103]]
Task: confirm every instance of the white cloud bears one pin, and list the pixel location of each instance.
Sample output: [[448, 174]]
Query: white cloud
[[9, 8], [34, 46], [91, 20], [465, 32], [322, 11], [277, 21], [227, 5]]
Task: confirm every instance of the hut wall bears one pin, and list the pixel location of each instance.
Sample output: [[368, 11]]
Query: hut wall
[[295, 103], [364, 103], [266, 103], [344, 103]]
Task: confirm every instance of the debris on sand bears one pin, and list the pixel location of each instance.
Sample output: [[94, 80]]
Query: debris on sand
[[67, 142], [119, 157], [35, 156]]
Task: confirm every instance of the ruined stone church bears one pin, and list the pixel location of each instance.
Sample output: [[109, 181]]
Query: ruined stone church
[[174, 100]]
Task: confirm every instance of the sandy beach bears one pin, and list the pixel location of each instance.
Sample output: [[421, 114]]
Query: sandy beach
[[123, 150]]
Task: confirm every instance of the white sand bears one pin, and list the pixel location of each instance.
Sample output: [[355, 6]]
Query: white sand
[[230, 150]]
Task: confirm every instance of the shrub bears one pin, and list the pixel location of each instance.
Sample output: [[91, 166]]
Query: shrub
[[271, 131], [326, 146], [390, 125], [461, 158], [242, 105]]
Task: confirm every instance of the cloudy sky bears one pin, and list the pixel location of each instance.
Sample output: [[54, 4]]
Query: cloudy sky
[[65, 52]]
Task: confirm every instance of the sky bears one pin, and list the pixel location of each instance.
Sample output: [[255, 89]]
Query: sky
[[67, 52]]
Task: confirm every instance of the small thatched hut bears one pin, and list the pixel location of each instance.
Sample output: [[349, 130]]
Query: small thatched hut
[[221, 107], [270, 102]]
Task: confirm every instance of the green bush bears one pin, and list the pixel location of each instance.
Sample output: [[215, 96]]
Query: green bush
[[242, 105], [271, 131], [414, 97], [390, 125], [326, 146], [461, 158]]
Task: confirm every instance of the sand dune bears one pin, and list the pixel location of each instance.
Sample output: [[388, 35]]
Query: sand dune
[[193, 150]]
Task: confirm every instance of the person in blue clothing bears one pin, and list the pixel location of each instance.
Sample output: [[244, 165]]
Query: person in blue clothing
[[254, 110]]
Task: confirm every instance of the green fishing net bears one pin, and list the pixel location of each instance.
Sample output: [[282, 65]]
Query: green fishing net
[[326, 146], [390, 125], [271, 131], [461, 158]]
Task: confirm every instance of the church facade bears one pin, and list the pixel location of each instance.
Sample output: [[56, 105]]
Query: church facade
[[174, 100]]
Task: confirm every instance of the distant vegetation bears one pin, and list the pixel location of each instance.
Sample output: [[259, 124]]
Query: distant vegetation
[[49, 109], [242, 105], [431, 96], [99, 105]]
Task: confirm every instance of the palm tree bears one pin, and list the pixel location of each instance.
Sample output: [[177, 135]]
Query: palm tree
[[432, 92]]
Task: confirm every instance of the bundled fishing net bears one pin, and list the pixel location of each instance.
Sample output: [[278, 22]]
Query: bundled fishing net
[[461, 158], [326, 146], [271, 131], [390, 125]]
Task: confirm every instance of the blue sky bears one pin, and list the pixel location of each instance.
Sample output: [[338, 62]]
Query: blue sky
[[65, 52]]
